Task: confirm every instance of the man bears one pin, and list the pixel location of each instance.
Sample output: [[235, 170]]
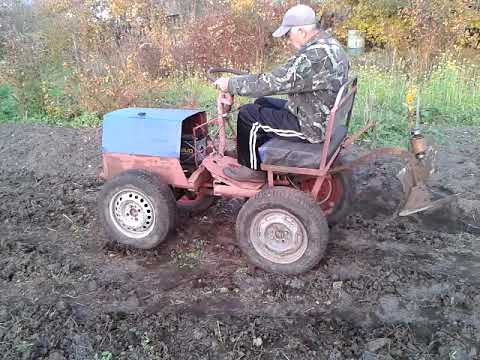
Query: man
[[311, 78]]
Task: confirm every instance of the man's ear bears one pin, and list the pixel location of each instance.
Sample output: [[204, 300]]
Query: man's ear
[[302, 33]]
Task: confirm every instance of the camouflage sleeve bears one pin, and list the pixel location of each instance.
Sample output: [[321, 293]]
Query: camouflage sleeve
[[284, 79], [306, 72]]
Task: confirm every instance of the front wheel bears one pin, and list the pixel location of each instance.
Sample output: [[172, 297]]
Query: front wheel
[[137, 209], [282, 230]]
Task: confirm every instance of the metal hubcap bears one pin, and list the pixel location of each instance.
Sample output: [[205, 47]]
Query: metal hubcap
[[279, 236], [132, 213]]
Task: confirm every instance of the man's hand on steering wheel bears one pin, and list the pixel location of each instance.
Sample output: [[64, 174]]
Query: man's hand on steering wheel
[[222, 84]]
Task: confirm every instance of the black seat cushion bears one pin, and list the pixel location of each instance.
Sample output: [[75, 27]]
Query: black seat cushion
[[279, 151]]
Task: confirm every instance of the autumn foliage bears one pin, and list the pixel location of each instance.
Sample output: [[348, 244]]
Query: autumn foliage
[[66, 57]]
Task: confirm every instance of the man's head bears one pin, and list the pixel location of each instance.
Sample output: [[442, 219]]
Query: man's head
[[299, 24]]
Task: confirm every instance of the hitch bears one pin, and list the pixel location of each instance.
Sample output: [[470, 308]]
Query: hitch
[[418, 170]]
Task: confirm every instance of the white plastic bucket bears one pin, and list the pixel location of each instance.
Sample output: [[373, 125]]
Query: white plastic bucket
[[355, 40]]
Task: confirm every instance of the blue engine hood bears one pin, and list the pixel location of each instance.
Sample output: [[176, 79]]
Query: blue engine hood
[[144, 131]]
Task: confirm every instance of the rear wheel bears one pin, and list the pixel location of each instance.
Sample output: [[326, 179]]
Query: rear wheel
[[189, 202], [137, 209], [336, 194], [282, 230]]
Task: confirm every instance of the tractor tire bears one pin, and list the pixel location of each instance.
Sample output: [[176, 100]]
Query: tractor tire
[[137, 209], [343, 206], [282, 230], [189, 203]]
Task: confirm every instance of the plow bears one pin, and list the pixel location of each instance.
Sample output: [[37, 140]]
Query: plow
[[159, 161]]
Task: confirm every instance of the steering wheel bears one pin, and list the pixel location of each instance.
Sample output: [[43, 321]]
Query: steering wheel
[[217, 70]]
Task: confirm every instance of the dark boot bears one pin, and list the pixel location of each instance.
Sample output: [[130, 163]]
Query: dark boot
[[244, 173]]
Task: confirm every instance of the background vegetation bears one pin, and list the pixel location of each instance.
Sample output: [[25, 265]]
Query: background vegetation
[[67, 62]]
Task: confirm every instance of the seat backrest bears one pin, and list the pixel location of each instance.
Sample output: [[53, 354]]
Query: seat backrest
[[341, 112]]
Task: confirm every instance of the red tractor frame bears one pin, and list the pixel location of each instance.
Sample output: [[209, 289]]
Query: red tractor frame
[[284, 225]]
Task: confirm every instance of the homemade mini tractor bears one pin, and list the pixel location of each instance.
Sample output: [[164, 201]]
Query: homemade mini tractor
[[158, 161]]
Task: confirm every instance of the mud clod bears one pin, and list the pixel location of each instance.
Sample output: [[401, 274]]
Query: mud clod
[[375, 345]]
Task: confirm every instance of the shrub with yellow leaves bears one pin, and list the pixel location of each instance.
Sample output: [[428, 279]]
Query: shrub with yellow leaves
[[410, 98], [241, 6]]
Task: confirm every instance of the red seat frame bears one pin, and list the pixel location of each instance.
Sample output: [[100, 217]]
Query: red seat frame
[[341, 113]]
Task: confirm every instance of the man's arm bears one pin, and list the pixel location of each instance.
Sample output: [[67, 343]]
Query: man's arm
[[298, 75], [284, 79], [316, 69]]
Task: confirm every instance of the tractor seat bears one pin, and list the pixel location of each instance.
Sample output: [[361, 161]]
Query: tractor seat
[[300, 154]]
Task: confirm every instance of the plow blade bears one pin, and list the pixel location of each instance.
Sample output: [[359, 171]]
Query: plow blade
[[419, 197], [413, 176]]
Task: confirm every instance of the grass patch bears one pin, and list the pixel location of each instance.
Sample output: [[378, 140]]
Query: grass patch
[[45, 102], [187, 254], [8, 104], [191, 92], [450, 96], [84, 120]]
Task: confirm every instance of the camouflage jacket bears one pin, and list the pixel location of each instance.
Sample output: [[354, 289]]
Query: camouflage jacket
[[311, 78]]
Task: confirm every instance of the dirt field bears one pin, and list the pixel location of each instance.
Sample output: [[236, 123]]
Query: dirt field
[[387, 288]]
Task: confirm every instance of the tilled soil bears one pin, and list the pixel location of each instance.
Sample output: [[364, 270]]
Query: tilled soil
[[388, 288]]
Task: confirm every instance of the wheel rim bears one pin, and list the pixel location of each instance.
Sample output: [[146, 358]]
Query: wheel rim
[[132, 213], [279, 236], [330, 193]]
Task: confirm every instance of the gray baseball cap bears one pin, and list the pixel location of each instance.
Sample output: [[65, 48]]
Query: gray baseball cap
[[298, 15]]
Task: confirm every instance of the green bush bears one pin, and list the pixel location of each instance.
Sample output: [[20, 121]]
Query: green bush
[[451, 94], [8, 104]]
